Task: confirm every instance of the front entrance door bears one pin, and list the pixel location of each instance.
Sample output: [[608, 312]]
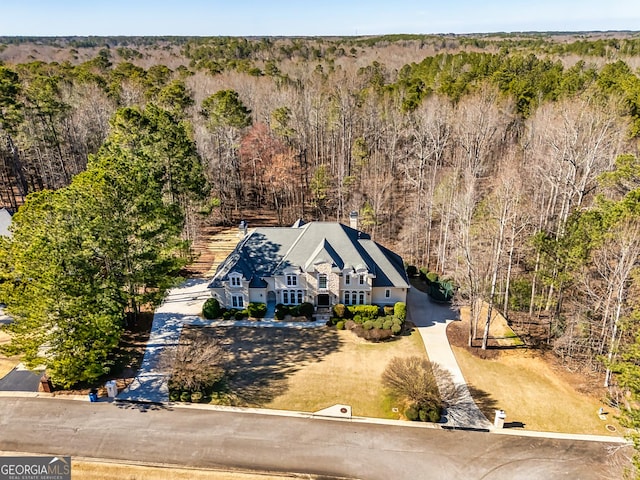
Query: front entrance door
[[323, 300]]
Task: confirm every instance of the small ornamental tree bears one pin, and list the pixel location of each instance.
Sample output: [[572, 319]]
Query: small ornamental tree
[[415, 380], [199, 363]]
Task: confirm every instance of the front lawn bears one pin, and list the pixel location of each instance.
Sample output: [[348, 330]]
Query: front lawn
[[535, 391], [311, 369]]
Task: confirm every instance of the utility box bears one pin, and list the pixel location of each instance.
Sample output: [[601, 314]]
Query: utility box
[[498, 421], [112, 389]]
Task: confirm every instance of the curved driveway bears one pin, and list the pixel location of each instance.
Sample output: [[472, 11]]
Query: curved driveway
[[432, 319], [227, 440]]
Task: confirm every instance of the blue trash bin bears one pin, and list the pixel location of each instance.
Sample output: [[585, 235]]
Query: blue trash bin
[[93, 396]]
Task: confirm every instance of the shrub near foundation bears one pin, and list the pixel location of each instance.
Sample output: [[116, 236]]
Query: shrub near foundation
[[211, 309]]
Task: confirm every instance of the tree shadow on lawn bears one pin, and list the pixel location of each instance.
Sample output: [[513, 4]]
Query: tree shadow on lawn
[[485, 402], [262, 359]]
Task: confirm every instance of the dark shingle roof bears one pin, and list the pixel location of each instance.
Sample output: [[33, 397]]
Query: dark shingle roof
[[269, 251]]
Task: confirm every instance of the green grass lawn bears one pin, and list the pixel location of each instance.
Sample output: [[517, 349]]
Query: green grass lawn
[[530, 392], [351, 375], [311, 369]]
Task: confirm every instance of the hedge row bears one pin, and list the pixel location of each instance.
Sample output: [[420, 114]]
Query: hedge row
[[303, 310], [212, 310]]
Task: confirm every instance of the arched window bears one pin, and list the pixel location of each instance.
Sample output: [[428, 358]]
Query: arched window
[[285, 297], [346, 298], [354, 298], [361, 299], [300, 296]]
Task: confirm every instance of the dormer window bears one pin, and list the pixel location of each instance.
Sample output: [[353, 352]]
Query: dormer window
[[235, 280], [347, 279], [361, 279], [292, 280]]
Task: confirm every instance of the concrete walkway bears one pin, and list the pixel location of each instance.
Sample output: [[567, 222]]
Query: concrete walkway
[[182, 306], [431, 320]]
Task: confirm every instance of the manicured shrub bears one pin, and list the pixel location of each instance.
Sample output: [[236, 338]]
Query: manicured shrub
[[396, 329], [423, 274], [388, 309], [340, 325], [412, 270], [281, 311], [377, 335], [378, 322], [432, 277], [240, 314], [211, 308], [185, 397], [422, 414], [306, 309], [339, 310], [411, 413], [196, 397], [368, 325], [174, 395], [387, 324], [365, 311], [357, 319], [294, 310], [257, 309], [229, 314], [433, 415], [400, 311]]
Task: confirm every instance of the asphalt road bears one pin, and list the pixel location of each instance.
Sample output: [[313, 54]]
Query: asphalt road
[[213, 439]]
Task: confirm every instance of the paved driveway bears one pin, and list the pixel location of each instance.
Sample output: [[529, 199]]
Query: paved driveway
[[20, 380], [182, 306], [431, 320], [214, 439]]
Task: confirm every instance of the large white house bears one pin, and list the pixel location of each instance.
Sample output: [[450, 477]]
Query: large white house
[[323, 263]]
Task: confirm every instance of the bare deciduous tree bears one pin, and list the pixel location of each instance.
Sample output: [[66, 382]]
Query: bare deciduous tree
[[197, 363]]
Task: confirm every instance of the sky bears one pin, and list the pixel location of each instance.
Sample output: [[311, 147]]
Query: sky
[[311, 17]]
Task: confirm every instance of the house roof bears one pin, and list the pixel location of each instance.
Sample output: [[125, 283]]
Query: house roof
[[5, 222], [266, 252]]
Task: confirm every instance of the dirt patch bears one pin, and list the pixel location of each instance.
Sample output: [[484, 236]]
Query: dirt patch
[[458, 335]]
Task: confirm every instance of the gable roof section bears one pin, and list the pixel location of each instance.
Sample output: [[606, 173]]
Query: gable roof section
[[269, 251], [390, 269], [324, 253], [256, 254]]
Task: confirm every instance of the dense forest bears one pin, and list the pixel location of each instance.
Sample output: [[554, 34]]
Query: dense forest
[[508, 163]]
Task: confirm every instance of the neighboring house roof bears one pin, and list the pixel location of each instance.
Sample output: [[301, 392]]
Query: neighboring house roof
[[266, 252], [5, 222]]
